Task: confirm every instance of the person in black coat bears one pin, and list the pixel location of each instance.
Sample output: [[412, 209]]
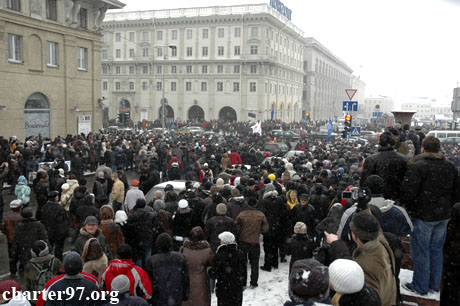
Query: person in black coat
[[181, 223], [300, 245], [85, 209], [56, 222], [218, 224], [169, 274], [305, 213], [142, 230], [320, 202], [229, 269], [389, 165]]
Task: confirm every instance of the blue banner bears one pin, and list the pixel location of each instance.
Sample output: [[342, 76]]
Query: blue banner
[[329, 131]]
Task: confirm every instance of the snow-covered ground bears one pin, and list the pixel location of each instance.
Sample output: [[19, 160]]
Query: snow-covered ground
[[405, 276]]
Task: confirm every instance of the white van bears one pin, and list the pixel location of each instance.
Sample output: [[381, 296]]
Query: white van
[[443, 134]]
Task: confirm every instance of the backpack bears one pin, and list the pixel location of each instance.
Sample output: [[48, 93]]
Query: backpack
[[45, 273], [101, 193]]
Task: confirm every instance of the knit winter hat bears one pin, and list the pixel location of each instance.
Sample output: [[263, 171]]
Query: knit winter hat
[[220, 182], [346, 276], [100, 174], [16, 203], [235, 193], [120, 284], [73, 263], [221, 209], [134, 183], [158, 205], [121, 217], [164, 242], [269, 191], [272, 177], [227, 237], [365, 226], [22, 180], [300, 228], [183, 204], [308, 281]]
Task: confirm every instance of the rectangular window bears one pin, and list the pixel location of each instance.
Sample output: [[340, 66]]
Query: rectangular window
[[52, 53], [189, 69], [159, 69], [220, 69], [220, 32], [174, 35], [51, 12], [220, 51], [131, 69], [145, 86], [173, 52], [204, 51], [160, 51], [104, 69], [237, 50], [237, 32], [204, 69], [104, 86], [117, 70], [117, 37], [173, 69], [205, 33], [159, 35], [82, 60], [236, 69], [145, 69], [254, 32], [189, 34], [253, 50], [118, 53], [189, 51], [236, 86], [131, 53], [188, 86], [145, 36], [145, 52], [159, 86], [104, 54], [204, 86], [117, 85], [14, 5], [252, 86], [131, 85], [253, 68], [173, 86], [220, 86], [83, 18], [131, 36]]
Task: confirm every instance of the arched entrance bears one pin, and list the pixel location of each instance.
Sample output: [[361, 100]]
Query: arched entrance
[[169, 114], [196, 113], [227, 113], [37, 116]]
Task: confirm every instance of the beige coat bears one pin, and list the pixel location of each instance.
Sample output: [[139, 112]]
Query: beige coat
[[118, 191]]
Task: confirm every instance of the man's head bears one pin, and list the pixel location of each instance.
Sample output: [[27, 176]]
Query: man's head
[[365, 227], [386, 140], [91, 224], [304, 198], [73, 264], [431, 144], [125, 251], [114, 176], [164, 242]]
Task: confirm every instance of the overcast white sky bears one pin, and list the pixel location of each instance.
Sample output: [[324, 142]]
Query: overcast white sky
[[400, 48]]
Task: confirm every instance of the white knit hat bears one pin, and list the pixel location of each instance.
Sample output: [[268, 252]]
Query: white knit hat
[[346, 276], [120, 283], [227, 237], [183, 204]]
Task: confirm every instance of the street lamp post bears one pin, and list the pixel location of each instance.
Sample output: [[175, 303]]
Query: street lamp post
[[163, 106]]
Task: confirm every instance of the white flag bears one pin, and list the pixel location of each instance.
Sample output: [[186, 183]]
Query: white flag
[[257, 128]]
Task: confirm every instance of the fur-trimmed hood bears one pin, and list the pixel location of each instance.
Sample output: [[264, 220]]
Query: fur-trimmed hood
[[200, 245], [426, 155]]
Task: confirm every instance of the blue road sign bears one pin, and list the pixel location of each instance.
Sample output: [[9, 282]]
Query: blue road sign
[[355, 131], [350, 106], [377, 114]]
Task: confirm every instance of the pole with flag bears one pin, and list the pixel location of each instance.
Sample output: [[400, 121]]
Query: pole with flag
[[329, 131]]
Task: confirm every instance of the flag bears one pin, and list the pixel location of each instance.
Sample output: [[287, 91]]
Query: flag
[[329, 131], [257, 128], [272, 114]]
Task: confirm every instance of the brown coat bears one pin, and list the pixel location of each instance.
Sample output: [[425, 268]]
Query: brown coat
[[9, 222], [163, 217], [94, 259], [112, 232], [250, 224], [199, 257], [374, 258]]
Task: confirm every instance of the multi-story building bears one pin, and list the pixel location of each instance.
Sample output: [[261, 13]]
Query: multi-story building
[[427, 108], [50, 66], [326, 78], [234, 63], [382, 104]]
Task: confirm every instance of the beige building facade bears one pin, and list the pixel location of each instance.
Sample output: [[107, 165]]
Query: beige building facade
[[50, 66]]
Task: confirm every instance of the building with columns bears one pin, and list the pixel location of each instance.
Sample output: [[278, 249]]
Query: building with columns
[[235, 63], [50, 65]]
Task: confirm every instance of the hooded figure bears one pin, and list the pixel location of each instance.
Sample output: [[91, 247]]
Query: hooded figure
[[94, 258], [110, 229], [22, 191]]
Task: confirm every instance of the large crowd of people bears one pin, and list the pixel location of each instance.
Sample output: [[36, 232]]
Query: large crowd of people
[[338, 209]]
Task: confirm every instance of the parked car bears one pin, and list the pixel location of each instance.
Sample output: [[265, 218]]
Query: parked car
[[276, 148], [300, 132], [294, 153], [370, 136], [178, 186]]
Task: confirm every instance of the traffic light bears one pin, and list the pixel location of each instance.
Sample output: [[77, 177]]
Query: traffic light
[[121, 117], [127, 116], [347, 123]]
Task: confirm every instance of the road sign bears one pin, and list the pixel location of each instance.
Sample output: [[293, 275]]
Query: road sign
[[355, 131], [351, 93], [350, 106], [377, 114]]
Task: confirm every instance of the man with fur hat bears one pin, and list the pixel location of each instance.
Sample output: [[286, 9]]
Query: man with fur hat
[[169, 274], [56, 221], [430, 188], [229, 269], [249, 225]]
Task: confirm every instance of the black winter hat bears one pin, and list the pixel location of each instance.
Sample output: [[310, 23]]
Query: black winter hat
[[164, 242], [308, 281], [52, 195], [365, 226], [375, 184], [73, 264], [125, 251], [27, 213], [386, 139]]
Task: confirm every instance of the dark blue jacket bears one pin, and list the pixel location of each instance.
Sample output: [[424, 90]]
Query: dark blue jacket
[[79, 297]]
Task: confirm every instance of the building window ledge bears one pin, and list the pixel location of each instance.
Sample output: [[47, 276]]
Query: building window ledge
[[82, 69], [52, 66], [13, 61]]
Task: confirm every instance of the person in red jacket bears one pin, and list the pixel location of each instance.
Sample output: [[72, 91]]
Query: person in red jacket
[[235, 158], [174, 159], [140, 284]]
